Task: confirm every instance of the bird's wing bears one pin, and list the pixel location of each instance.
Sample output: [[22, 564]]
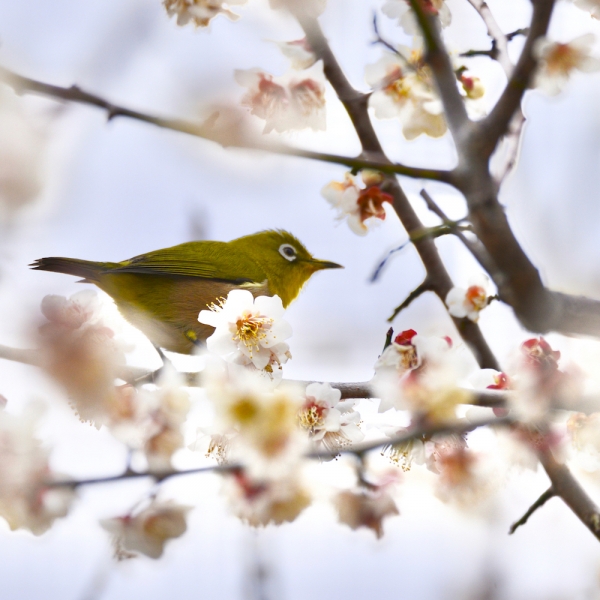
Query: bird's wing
[[206, 260]]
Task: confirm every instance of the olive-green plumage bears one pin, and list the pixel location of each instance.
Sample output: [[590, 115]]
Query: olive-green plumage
[[162, 292]]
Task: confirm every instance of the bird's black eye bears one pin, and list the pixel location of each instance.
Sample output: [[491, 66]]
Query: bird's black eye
[[288, 252]]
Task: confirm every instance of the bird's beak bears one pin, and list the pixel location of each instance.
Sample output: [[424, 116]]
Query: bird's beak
[[318, 265]]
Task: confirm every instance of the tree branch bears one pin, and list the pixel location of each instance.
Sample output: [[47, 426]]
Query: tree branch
[[573, 495], [206, 131], [460, 428], [549, 493], [356, 105], [495, 125], [438, 59]]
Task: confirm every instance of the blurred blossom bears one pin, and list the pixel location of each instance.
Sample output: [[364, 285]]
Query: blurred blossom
[[330, 423], [147, 531], [403, 88], [299, 52], [25, 503], [557, 61], [591, 6], [472, 86], [400, 10], [268, 439], [81, 353], [584, 434], [22, 147], [366, 507], [361, 207], [249, 331], [285, 103], [260, 502], [468, 302], [466, 478], [200, 12], [405, 453]]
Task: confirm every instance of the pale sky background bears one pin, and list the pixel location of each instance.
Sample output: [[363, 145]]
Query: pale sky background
[[119, 189]]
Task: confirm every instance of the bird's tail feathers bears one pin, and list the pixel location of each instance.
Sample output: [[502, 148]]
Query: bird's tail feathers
[[87, 269]]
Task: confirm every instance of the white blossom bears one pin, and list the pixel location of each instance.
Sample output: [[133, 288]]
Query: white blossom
[[558, 60], [200, 12], [329, 422], [468, 302], [299, 53], [248, 329], [591, 6], [360, 206]]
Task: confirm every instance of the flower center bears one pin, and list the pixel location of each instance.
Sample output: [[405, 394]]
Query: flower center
[[250, 330]]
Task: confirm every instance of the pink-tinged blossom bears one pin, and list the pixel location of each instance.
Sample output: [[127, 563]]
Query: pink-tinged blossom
[[200, 12], [472, 86], [330, 423], [400, 10], [403, 88], [557, 61], [286, 103], [147, 531], [299, 53], [401, 355], [25, 501], [468, 302], [261, 502], [249, 330], [366, 507], [81, 353], [360, 206]]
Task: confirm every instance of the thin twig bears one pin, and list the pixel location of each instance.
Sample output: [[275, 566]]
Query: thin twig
[[205, 130], [418, 291], [499, 40], [359, 450], [549, 493]]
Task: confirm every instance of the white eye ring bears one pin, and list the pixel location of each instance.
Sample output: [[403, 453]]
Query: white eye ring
[[288, 252]]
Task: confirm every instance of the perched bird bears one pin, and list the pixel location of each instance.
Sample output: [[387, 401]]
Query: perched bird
[[162, 292]]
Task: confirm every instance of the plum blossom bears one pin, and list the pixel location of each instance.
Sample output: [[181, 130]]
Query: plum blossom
[[286, 103], [299, 52], [360, 206], [82, 353], [200, 12], [261, 502], [468, 302], [472, 86], [400, 10], [267, 439], [401, 355], [366, 507], [249, 330], [404, 89], [147, 531], [558, 60], [25, 501], [329, 422], [591, 6]]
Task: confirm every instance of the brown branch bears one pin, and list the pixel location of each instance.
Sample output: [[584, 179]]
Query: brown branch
[[356, 105], [549, 493], [460, 428], [206, 130], [573, 495], [495, 125], [438, 59]]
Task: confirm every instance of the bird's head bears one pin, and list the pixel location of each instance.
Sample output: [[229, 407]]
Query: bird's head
[[286, 262]]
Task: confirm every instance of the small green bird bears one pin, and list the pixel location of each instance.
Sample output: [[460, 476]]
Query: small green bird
[[162, 292]]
